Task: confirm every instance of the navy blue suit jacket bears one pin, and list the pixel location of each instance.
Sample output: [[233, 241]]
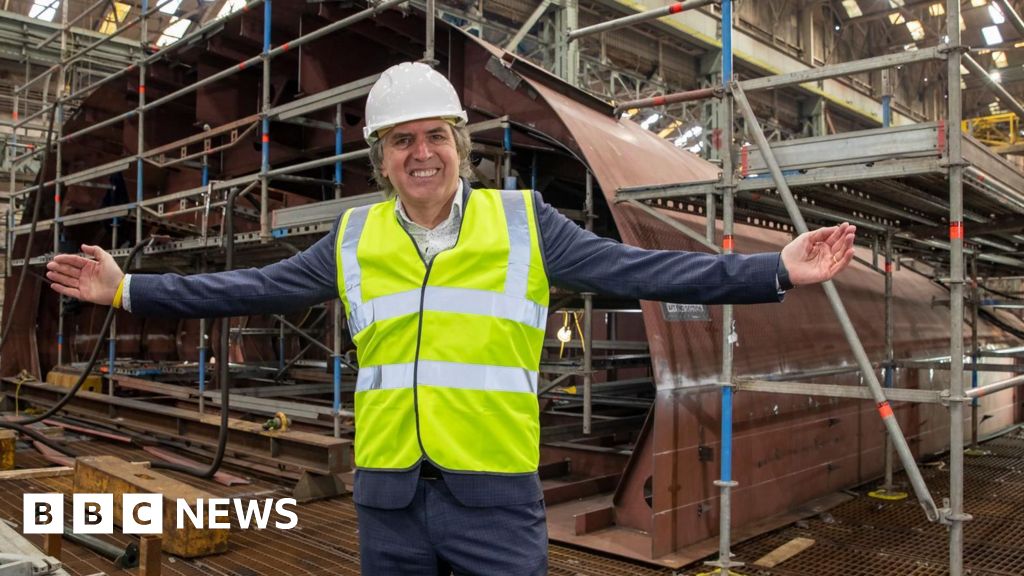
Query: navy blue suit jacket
[[573, 258]]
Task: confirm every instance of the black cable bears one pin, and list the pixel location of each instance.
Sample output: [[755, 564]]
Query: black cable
[[32, 228], [88, 367], [224, 373]]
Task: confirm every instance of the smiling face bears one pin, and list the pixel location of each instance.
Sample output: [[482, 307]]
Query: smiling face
[[422, 161]]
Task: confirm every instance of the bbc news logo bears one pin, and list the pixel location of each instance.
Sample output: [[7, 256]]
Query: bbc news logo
[[144, 513]]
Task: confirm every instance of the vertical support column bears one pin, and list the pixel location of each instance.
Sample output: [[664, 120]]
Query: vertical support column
[[280, 348], [336, 360], [337, 151], [567, 53], [13, 185], [265, 130], [886, 97], [58, 230], [509, 183], [338, 308], [725, 482], [588, 311], [954, 138], [112, 341], [141, 147], [202, 321], [428, 52], [888, 488], [975, 296]]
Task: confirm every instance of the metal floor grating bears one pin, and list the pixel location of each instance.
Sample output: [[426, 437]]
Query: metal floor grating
[[869, 537]]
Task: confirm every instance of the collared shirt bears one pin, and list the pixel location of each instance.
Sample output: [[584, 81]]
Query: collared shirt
[[431, 241]]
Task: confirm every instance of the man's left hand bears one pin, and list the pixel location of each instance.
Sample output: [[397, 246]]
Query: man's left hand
[[819, 255]]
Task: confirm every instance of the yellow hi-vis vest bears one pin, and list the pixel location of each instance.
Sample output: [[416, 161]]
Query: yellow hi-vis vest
[[448, 353]]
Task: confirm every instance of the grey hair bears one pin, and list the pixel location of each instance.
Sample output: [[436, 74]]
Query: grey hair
[[463, 145]]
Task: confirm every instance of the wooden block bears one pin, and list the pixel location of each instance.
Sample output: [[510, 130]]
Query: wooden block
[[784, 552], [110, 474], [7, 444], [149, 555]]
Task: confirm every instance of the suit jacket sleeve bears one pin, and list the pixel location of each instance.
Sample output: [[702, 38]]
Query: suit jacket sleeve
[[305, 279], [583, 262]]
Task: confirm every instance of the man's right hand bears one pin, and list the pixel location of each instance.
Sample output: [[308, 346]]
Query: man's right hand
[[93, 280]]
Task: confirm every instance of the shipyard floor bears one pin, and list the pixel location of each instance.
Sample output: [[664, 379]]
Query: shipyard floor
[[862, 536]]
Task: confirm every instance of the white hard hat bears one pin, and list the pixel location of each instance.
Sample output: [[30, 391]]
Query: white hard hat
[[410, 91]]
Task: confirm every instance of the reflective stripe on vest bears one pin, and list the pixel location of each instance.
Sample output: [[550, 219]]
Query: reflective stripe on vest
[[455, 345]]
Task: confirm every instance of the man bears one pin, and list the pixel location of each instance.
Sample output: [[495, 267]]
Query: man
[[446, 293]]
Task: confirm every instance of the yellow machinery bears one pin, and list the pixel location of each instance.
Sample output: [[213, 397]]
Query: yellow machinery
[[995, 130]]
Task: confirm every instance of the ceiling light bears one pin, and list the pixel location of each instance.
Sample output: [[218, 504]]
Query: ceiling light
[[995, 75]]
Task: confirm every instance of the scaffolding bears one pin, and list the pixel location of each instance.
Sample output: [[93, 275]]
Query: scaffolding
[[927, 150]]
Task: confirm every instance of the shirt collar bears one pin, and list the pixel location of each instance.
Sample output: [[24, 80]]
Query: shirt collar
[[455, 211]]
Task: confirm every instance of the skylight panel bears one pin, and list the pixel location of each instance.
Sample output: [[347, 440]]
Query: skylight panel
[[174, 31], [44, 9], [996, 13], [916, 29], [992, 35], [229, 7], [170, 7], [936, 9], [115, 16], [896, 18], [852, 8], [999, 58]]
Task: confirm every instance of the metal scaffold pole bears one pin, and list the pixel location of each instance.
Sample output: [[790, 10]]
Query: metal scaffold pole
[[57, 229], [141, 147], [871, 379], [956, 516], [888, 486], [725, 482], [265, 129], [975, 296], [588, 311], [338, 312]]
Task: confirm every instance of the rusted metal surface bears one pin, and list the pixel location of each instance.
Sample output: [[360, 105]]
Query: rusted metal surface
[[7, 444]]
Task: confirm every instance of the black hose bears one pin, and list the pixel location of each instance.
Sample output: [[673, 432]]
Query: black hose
[[224, 372], [32, 228], [92, 358]]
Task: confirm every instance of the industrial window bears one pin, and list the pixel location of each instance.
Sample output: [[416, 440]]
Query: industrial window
[[916, 29], [44, 9], [170, 7], [992, 35], [852, 8], [174, 31], [229, 7], [115, 16]]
